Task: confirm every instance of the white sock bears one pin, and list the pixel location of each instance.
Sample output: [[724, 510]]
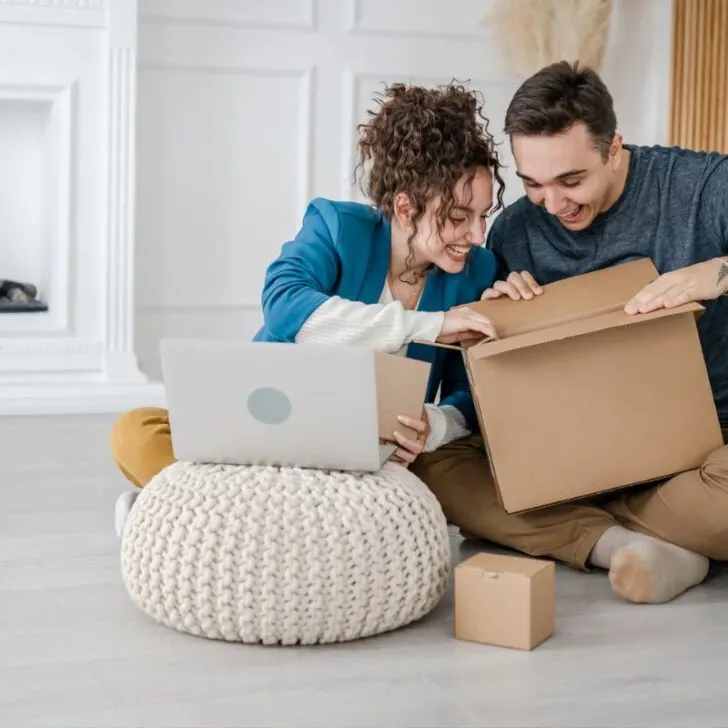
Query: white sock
[[645, 569], [122, 509]]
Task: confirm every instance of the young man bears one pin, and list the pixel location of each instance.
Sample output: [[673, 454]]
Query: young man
[[591, 202]]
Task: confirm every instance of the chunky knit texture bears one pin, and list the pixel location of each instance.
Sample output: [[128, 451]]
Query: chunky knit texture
[[285, 555]]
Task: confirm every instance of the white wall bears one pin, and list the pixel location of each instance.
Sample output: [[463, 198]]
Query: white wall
[[247, 109], [637, 68]]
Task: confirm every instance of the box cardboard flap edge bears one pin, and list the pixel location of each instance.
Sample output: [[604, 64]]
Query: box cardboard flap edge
[[502, 564], [401, 390], [570, 307], [578, 327], [577, 297]]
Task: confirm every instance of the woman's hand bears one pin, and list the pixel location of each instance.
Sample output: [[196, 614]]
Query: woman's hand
[[517, 286], [411, 446], [464, 324]]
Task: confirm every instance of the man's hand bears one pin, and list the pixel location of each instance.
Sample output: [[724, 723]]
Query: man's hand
[[700, 282], [411, 447], [517, 286]]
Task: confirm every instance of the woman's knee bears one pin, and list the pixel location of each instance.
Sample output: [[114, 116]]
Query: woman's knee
[[139, 440]]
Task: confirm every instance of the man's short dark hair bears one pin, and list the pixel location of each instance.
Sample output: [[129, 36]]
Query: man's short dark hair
[[558, 96]]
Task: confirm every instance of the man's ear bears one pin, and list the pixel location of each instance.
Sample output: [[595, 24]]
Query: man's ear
[[614, 150], [402, 210]]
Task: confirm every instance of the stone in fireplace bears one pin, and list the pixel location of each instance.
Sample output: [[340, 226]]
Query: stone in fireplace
[[17, 297]]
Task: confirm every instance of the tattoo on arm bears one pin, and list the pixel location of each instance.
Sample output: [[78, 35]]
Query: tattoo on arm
[[722, 273]]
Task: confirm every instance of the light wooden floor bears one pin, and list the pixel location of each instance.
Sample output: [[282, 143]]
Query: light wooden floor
[[75, 652]]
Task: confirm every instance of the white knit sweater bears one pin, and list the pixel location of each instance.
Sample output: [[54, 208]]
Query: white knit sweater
[[387, 326]]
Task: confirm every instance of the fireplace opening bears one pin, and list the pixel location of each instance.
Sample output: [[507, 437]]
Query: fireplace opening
[[28, 179]]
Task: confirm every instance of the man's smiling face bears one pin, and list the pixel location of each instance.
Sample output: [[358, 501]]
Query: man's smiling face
[[567, 174]]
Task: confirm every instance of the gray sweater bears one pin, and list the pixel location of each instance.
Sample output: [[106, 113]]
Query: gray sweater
[[674, 210]]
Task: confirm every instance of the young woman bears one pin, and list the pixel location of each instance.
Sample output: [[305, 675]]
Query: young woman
[[383, 275]]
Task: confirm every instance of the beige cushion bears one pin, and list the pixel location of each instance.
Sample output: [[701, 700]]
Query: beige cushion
[[285, 556]]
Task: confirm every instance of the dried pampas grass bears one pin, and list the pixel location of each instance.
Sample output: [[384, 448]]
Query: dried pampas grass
[[535, 33]]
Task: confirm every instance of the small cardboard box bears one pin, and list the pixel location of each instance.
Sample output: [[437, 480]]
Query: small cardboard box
[[576, 397], [506, 601], [401, 390]]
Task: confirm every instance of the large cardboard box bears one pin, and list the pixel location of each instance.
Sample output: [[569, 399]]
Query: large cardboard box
[[506, 601], [576, 397]]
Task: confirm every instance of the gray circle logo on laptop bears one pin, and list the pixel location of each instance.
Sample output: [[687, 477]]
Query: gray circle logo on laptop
[[269, 406]]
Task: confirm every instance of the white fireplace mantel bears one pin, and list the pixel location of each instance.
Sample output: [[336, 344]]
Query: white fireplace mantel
[[67, 135]]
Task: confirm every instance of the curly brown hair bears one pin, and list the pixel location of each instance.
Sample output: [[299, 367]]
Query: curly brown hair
[[421, 141]]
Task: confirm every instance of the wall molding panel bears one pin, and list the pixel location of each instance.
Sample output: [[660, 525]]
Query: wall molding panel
[[415, 20], [64, 13], [289, 15], [306, 78]]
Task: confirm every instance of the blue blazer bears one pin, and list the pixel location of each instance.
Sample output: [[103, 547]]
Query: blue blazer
[[343, 248]]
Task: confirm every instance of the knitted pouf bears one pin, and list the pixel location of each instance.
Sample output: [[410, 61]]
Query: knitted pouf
[[285, 555]]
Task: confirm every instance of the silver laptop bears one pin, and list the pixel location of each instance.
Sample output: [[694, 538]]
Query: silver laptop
[[260, 403]]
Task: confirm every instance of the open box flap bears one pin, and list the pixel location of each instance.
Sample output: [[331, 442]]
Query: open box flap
[[579, 327], [401, 390], [569, 307], [462, 346], [584, 296]]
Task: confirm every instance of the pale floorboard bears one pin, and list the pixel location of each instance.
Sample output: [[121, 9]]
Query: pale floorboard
[[75, 652]]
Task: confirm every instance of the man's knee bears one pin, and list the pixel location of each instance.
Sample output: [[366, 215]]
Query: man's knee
[[714, 471], [714, 474]]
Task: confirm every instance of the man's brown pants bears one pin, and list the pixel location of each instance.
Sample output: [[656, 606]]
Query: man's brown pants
[[690, 510]]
